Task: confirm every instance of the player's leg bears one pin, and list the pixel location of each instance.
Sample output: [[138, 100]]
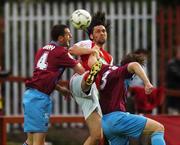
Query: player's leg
[[25, 143], [39, 138], [135, 125], [113, 125], [85, 80], [26, 104], [29, 140], [89, 104], [91, 76], [156, 130], [94, 125], [105, 140], [119, 140], [37, 110], [132, 125], [35, 139]]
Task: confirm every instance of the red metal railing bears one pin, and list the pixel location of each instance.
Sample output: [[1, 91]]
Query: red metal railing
[[4, 120], [168, 21]]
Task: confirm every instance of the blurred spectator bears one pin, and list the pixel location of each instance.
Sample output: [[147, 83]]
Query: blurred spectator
[[146, 103], [173, 82]]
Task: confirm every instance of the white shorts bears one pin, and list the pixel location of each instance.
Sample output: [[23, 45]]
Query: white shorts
[[87, 102]]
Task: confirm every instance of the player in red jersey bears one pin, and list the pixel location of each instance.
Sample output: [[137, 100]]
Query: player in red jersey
[[50, 63], [119, 125], [87, 98]]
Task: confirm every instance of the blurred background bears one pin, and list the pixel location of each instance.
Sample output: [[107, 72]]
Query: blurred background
[[149, 25]]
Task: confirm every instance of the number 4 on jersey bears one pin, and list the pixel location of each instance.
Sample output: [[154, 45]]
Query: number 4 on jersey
[[42, 62]]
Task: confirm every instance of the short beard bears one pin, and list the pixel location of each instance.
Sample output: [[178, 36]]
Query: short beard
[[101, 42]]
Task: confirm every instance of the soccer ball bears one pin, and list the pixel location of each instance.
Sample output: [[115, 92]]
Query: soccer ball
[[80, 19]]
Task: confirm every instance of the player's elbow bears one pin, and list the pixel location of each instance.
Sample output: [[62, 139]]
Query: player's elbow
[[79, 69], [72, 50], [133, 66]]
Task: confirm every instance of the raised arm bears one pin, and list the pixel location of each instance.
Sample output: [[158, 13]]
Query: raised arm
[[78, 68], [137, 69], [78, 50]]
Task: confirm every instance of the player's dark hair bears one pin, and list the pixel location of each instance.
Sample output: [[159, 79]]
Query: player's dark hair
[[141, 51], [98, 19], [58, 30], [132, 57]]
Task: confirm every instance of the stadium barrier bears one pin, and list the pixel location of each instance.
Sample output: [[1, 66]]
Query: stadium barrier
[[168, 92], [172, 127], [4, 120], [170, 122]]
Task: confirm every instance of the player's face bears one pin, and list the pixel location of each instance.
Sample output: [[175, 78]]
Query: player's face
[[99, 34], [67, 37]]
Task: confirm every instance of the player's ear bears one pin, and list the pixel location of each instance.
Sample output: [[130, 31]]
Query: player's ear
[[61, 39], [91, 36]]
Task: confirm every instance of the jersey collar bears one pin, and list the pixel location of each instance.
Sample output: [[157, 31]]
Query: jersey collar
[[55, 43]]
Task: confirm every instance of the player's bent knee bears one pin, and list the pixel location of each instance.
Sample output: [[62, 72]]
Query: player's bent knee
[[96, 140], [96, 135], [153, 126], [160, 127]]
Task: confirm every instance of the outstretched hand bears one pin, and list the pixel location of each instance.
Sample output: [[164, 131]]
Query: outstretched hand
[[148, 88], [63, 89]]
